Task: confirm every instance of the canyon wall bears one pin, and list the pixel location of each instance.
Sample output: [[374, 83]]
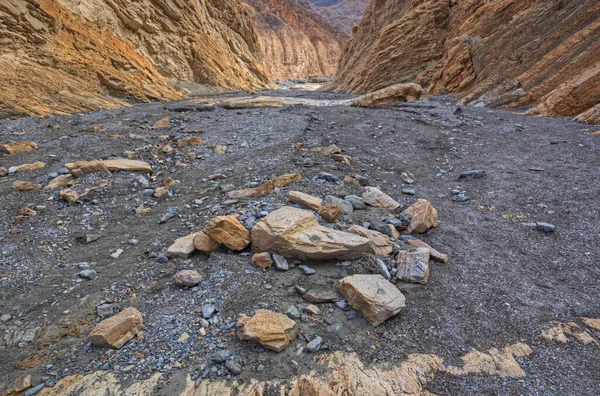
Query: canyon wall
[[295, 41], [63, 56], [342, 14], [501, 53]]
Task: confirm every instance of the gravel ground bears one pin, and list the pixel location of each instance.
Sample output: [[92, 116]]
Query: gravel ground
[[505, 281]]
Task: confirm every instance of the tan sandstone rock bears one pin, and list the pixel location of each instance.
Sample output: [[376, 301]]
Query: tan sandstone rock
[[3, 172], [18, 148], [375, 197], [330, 212], [380, 243], [373, 296], [127, 165], [61, 182], [190, 141], [228, 231], [296, 233], [266, 188], [163, 123], [413, 266], [272, 330], [69, 195], [81, 168], [434, 254], [182, 247], [115, 331], [30, 167], [25, 186], [389, 95], [262, 260], [187, 278], [204, 243], [423, 216]]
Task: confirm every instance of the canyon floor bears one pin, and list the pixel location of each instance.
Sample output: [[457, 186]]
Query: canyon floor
[[506, 282]]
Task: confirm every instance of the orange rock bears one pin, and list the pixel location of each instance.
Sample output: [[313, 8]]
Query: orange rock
[[3, 172], [262, 260], [127, 165], [18, 148], [187, 278], [81, 168], [333, 149], [69, 195], [204, 243], [164, 123], [228, 231], [60, 182], [190, 141], [331, 212], [423, 217], [346, 159], [375, 197], [30, 167], [265, 188], [272, 330], [381, 244], [25, 186], [115, 331], [351, 180], [435, 255]]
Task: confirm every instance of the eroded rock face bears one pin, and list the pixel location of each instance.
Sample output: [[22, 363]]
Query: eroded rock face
[[373, 296], [296, 233], [272, 330], [295, 42], [501, 53], [341, 14], [115, 331], [63, 56]]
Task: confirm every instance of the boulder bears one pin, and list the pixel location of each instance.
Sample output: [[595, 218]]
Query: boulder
[[81, 168], [187, 278], [265, 188], [380, 244], [18, 148], [182, 247], [413, 266], [392, 94], [373, 196], [330, 212], [296, 233], [373, 296], [262, 260], [228, 231], [115, 331], [433, 254], [204, 243], [422, 215], [272, 330], [25, 186]]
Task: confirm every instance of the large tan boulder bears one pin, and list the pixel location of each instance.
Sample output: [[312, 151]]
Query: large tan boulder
[[115, 331], [272, 330], [80, 168], [373, 296], [296, 233], [380, 243], [389, 95], [423, 216], [228, 231], [375, 197], [330, 212]]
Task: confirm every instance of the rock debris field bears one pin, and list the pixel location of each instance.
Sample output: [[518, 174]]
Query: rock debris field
[[275, 246]]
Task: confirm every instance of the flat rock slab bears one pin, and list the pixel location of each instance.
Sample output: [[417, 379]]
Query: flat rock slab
[[433, 253], [266, 188], [228, 231], [272, 330], [18, 148], [321, 296], [296, 233], [127, 165], [413, 266], [115, 331], [182, 247], [373, 296], [373, 196], [330, 212]]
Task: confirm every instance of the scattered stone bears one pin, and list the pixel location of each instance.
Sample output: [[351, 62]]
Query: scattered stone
[[187, 278], [208, 310], [220, 356], [183, 247], [293, 312], [117, 254], [105, 310], [61, 182], [346, 206], [342, 304], [408, 191], [69, 195], [459, 196], [220, 149], [3, 172], [204, 243], [296, 233], [25, 186], [18, 148], [164, 123], [433, 254], [117, 330], [345, 159], [190, 141], [372, 295], [312, 309], [329, 177], [472, 173], [266, 188], [356, 202], [422, 215], [389, 95], [262, 260], [380, 244], [330, 213], [28, 167], [406, 178], [351, 180], [229, 231], [272, 330], [413, 266], [314, 345], [373, 196], [383, 270], [281, 262], [81, 168], [307, 270], [127, 165], [160, 192], [321, 296], [87, 274], [545, 227], [329, 150]]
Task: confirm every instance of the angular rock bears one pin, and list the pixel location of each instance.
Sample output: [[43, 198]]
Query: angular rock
[[312, 309], [18, 148], [228, 231], [61, 182], [272, 330], [356, 202], [281, 262], [380, 244], [25, 186], [307, 270], [205, 244], [433, 254], [545, 227], [182, 247], [333, 149], [187, 278], [372, 295], [373, 196], [346, 206], [30, 167], [81, 168], [3, 172], [383, 270], [472, 173], [127, 165], [345, 159], [262, 260], [115, 331], [69, 195], [190, 141], [392, 94], [296, 233], [331, 213], [321, 296], [164, 123], [413, 266], [265, 188], [422, 215], [314, 345]]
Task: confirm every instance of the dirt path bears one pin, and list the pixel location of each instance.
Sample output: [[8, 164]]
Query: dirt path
[[505, 282]]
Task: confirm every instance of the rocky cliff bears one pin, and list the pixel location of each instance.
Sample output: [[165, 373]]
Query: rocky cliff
[[69, 55], [503, 53], [295, 41], [342, 14]]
